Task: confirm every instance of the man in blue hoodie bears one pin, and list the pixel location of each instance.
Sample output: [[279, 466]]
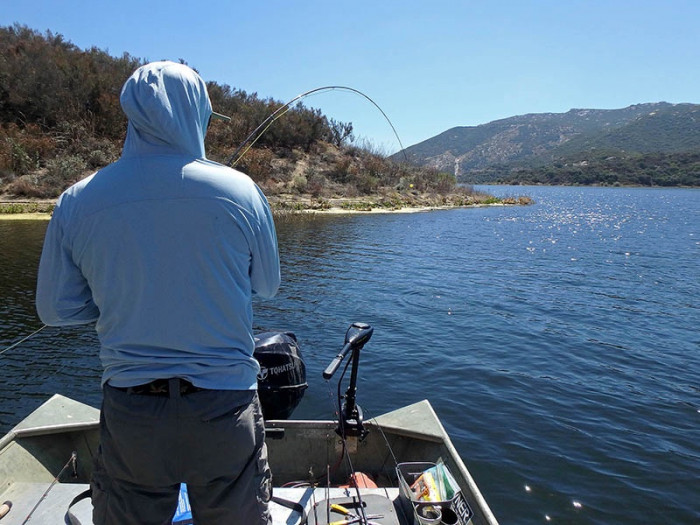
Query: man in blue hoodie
[[164, 249]]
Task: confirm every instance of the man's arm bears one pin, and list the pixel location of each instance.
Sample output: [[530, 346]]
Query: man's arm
[[265, 265], [63, 296]]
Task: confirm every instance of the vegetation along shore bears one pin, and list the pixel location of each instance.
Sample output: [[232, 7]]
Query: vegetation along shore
[[60, 120]]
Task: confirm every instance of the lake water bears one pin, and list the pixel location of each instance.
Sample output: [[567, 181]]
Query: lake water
[[559, 342]]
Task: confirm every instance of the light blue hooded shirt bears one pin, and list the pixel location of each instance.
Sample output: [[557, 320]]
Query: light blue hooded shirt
[[163, 248]]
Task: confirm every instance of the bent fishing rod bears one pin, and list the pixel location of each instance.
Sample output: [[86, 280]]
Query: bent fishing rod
[[253, 137], [279, 112]]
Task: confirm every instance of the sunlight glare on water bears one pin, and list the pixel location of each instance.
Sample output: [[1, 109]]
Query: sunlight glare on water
[[557, 342]]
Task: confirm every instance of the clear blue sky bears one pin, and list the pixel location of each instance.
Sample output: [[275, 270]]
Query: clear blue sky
[[430, 66]]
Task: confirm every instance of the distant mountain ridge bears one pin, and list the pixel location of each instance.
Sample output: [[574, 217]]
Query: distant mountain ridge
[[533, 141]]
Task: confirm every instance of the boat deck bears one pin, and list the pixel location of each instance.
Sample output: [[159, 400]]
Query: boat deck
[[52, 508], [302, 454]]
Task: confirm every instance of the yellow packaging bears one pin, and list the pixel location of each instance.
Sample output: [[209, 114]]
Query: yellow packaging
[[425, 488]]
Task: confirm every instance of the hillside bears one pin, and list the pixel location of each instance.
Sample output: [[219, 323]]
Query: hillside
[[622, 146], [60, 119]]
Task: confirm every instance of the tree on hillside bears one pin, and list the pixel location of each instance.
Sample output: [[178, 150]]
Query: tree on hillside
[[60, 119]]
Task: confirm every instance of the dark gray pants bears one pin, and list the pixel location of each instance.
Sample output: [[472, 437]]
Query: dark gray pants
[[213, 440]]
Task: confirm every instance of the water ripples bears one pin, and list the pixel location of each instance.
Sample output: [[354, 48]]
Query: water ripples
[[557, 342]]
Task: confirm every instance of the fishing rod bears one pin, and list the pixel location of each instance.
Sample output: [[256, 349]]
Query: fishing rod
[[279, 112], [72, 462], [251, 139]]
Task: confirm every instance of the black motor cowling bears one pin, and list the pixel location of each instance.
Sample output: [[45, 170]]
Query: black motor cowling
[[282, 377]]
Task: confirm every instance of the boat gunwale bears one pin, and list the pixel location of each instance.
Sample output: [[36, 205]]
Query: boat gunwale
[[385, 423]]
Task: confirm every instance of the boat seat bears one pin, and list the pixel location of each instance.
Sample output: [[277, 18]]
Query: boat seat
[[24, 496], [52, 509]]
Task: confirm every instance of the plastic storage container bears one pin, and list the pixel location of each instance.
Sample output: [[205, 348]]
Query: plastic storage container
[[453, 499]]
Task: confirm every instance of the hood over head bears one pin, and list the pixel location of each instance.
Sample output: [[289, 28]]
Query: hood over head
[[168, 108]]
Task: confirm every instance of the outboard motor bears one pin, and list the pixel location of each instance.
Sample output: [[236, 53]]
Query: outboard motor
[[282, 377]]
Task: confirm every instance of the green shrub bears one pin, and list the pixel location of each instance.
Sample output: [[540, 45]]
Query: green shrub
[[64, 171], [299, 183], [20, 161]]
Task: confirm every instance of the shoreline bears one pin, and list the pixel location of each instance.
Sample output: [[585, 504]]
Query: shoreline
[[336, 210], [28, 216], [282, 205]]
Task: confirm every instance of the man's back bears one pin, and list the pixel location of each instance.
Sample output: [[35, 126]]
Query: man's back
[[170, 248], [165, 249]]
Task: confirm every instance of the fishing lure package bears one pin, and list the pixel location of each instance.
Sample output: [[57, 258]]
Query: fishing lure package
[[429, 489]]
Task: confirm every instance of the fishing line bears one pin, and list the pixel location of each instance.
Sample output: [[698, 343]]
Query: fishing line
[[386, 440], [65, 362], [279, 112], [371, 418], [22, 340]]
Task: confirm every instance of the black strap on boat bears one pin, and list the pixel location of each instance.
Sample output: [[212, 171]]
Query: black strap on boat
[[295, 506], [70, 518]]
